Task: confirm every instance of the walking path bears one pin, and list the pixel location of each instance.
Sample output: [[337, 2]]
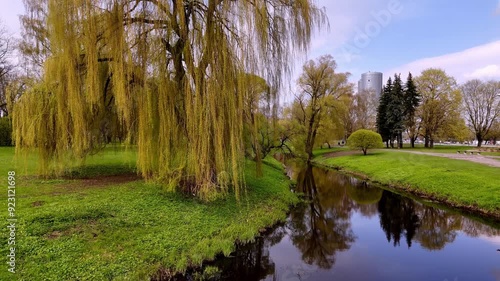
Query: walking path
[[486, 160]]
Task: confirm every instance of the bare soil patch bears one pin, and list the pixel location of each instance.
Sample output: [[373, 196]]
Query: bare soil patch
[[90, 226], [97, 182], [37, 203]]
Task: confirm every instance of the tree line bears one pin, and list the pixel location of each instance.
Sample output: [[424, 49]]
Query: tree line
[[435, 107], [175, 78], [197, 91]]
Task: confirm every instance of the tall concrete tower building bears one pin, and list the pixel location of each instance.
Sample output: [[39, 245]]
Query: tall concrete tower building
[[371, 81]]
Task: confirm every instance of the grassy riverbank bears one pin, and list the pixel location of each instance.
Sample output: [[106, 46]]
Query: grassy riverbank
[[458, 183], [115, 226]]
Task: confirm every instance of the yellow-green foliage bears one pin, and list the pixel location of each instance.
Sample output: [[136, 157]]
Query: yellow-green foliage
[[364, 140], [163, 74]]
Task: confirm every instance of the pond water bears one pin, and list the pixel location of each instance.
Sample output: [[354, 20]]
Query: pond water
[[349, 230]]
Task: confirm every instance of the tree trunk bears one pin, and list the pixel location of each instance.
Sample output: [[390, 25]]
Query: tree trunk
[[479, 140], [431, 141], [364, 151], [412, 142], [311, 135], [426, 138]]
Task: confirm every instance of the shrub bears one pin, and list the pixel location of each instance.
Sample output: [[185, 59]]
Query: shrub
[[364, 140]]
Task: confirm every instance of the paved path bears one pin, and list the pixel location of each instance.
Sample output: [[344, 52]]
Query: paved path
[[486, 160]]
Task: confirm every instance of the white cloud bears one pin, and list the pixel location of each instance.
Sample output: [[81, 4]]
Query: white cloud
[[349, 18], [490, 71], [481, 62], [346, 19], [492, 239]]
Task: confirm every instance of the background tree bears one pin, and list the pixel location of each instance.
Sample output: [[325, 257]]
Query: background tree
[[395, 112], [365, 109], [6, 68], [7, 79], [481, 101], [440, 102], [319, 87], [411, 102], [170, 70], [364, 140], [494, 133], [255, 120], [330, 130], [34, 45], [346, 115], [382, 121], [262, 132], [455, 129]]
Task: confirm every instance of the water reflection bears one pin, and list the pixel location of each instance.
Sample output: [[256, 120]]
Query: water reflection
[[250, 261], [322, 228], [433, 228], [398, 217], [335, 224]]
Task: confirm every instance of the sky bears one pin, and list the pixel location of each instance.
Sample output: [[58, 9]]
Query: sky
[[392, 36], [401, 36]]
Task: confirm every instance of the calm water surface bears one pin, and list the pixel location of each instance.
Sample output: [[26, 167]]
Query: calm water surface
[[352, 231]]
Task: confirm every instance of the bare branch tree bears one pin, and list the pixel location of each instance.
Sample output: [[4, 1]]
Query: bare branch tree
[[6, 67], [481, 102]]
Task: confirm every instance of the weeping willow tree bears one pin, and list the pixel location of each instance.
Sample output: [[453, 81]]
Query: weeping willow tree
[[166, 74]]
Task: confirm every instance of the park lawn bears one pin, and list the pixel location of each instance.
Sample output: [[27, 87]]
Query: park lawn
[[323, 151], [110, 228], [459, 183]]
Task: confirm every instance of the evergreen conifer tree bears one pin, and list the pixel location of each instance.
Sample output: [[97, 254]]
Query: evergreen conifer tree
[[382, 127], [395, 112], [411, 103]]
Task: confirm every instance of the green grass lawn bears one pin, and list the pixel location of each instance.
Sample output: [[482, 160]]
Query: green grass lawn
[[453, 181], [88, 229], [323, 151]]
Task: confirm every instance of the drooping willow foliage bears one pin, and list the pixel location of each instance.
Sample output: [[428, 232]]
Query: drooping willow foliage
[[162, 74]]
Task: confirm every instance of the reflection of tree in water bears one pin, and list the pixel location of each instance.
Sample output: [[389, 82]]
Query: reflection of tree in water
[[438, 228], [334, 197], [474, 228], [398, 217], [365, 196], [323, 228], [401, 216], [433, 228], [251, 261]]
